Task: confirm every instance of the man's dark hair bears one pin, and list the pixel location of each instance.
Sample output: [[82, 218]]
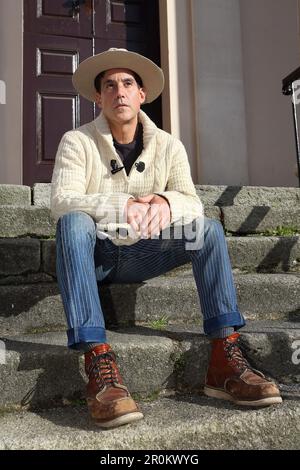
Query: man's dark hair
[[97, 81]]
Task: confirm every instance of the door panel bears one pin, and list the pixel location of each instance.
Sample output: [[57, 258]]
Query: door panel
[[50, 100], [123, 19], [51, 17], [135, 22], [61, 110]]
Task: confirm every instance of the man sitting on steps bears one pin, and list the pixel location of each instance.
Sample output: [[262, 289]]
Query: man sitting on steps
[[128, 211]]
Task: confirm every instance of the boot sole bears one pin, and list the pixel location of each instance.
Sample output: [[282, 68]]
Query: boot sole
[[220, 394], [121, 420]]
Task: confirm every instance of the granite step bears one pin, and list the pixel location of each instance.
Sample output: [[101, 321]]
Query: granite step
[[174, 299], [27, 256], [214, 195], [219, 195], [36, 221], [252, 253], [171, 423], [38, 370]]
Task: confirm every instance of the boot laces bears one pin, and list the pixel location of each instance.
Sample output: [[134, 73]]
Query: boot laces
[[234, 354], [105, 369]]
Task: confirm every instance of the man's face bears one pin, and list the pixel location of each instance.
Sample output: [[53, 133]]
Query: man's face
[[120, 97]]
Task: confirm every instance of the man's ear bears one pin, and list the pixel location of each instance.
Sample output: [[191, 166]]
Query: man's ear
[[98, 99], [143, 95]]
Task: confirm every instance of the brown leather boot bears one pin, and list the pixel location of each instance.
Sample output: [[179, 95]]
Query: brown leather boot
[[109, 401], [231, 377]]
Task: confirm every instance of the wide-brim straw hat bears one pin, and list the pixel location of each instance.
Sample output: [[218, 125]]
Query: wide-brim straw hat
[[152, 76]]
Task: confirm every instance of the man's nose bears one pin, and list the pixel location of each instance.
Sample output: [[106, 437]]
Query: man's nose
[[120, 90]]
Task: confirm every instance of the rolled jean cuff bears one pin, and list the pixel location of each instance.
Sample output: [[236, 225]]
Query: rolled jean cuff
[[234, 319], [86, 335]]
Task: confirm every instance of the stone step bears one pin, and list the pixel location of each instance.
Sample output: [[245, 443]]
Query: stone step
[[16, 195], [272, 254], [36, 221], [276, 254], [25, 221], [211, 195], [178, 423], [38, 307], [261, 254], [245, 220], [38, 369], [224, 196], [242, 209]]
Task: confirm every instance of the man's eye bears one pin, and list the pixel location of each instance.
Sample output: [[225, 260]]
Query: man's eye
[[128, 83]]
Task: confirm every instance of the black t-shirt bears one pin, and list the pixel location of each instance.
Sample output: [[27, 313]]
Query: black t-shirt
[[130, 152]]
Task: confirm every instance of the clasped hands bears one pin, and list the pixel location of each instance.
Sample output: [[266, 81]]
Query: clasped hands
[[148, 215]]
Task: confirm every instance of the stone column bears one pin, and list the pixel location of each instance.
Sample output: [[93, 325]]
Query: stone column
[[11, 73], [219, 90]]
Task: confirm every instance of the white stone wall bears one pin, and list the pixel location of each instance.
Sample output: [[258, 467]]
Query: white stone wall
[[220, 113], [271, 50], [11, 65], [242, 51]]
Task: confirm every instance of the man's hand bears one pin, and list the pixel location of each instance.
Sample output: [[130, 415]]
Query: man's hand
[[135, 213], [157, 217], [148, 215]]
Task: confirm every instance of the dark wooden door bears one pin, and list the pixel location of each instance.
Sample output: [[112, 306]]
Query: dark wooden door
[[56, 39], [134, 25]]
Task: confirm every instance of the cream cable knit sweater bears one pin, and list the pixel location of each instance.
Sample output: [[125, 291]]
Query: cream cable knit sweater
[[82, 179]]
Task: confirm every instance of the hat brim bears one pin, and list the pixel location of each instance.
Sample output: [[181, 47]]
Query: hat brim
[[152, 76]]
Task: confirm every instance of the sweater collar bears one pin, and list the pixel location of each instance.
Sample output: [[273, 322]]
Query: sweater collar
[[149, 128]]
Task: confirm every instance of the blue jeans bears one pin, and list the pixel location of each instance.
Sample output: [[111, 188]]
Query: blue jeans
[[83, 259]]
